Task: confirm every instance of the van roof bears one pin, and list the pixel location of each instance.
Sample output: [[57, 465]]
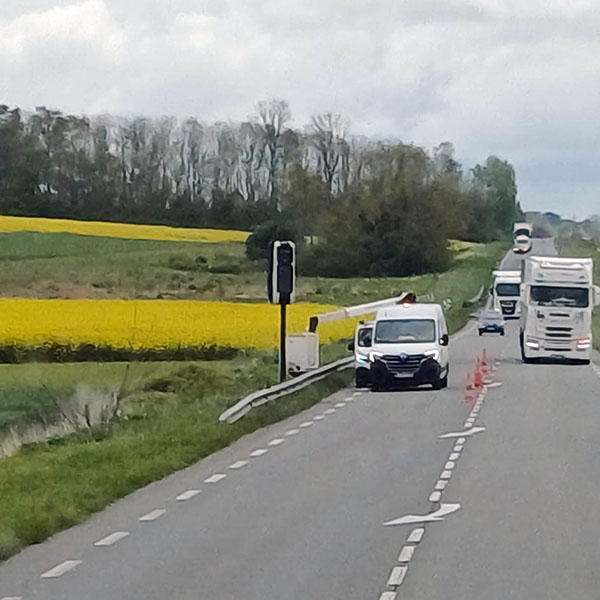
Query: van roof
[[411, 311]]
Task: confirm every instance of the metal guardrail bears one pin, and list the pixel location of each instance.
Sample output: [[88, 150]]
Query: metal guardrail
[[245, 405]]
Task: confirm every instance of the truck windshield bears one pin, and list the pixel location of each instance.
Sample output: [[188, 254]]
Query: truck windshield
[[542, 295], [522, 232], [508, 289], [365, 337], [403, 331]]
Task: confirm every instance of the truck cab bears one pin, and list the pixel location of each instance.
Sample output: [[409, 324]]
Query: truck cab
[[556, 315], [409, 347], [522, 233], [506, 293]]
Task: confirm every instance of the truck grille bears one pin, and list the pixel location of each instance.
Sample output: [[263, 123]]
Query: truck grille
[[559, 332], [508, 307], [410, 364]]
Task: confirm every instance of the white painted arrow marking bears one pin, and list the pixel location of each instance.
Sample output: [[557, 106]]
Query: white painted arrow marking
[[438, 515], [467, 433]]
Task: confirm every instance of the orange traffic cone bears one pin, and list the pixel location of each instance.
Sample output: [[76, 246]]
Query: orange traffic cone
[[478, 377], [470, 382], [484, 364]]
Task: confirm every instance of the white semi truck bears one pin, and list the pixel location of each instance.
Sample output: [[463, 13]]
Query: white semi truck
[[557, 298], [506, 293], [522, 232]]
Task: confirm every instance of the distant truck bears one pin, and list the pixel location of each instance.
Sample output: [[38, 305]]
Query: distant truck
[[506, 293], [557, 299], [522, 232]]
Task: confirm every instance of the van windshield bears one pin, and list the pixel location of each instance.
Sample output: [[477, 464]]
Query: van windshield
[[365, 337], [405, 331], [545, 295]]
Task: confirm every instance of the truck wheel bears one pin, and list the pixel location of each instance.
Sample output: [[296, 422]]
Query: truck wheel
[[480, 333], [444, 382], [502, 332]]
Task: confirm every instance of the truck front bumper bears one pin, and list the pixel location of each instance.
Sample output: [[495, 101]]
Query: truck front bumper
[[559, 349]]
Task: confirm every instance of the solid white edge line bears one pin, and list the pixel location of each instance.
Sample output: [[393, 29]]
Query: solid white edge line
[[153, 515], [60, 569], [12, 598], [238, 464], [276, 442], [258, 452], [215, 478], [416, 535], [112, 538], [187, 495], [397, 575]]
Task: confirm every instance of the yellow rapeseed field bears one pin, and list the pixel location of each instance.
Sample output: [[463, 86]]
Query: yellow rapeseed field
[[120, 230], [155, 324]]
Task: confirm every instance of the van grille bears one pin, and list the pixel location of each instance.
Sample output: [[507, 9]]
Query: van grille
[[410, 364], [508, 307]]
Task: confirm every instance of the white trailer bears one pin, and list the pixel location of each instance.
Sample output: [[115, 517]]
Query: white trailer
[[557, 299]]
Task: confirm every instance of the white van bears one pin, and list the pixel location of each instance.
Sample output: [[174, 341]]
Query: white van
[[409, 347]]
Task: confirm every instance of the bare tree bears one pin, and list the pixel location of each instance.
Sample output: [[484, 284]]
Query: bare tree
[[328, 138]]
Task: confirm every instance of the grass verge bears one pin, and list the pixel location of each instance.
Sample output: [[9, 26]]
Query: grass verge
[[167, 424]]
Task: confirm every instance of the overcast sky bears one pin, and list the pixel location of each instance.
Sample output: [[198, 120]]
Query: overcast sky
[[515, 78]]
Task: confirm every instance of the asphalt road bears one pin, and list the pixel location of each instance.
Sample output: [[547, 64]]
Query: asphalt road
[[305, 519]]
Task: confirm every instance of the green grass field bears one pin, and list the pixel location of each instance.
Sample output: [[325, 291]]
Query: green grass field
[[568, 246]]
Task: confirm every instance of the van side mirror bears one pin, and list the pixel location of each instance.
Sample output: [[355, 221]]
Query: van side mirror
[[351, 346], [445, 340]]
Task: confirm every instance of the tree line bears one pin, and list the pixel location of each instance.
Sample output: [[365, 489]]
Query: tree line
[[357, 206]]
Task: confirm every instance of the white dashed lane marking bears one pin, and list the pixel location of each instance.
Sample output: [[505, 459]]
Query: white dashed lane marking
[[319, 418], [306, 424], [276, 442], [435, 496], [416, 535], [441, 485], [397, 575], [258, 452], [446, 475], [406, 554], [340, 404], [450, 465], [187, 495], [329, 411], [238, 464], [292, 432], [61, 569], [215, 478], [388, 596], [454, 456], [12, 598], [153, 515], [111, 539]]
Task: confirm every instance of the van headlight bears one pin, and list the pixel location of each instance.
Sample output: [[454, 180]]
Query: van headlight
[[361, 358], [373, 356], [435, 354], [533, 345]]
